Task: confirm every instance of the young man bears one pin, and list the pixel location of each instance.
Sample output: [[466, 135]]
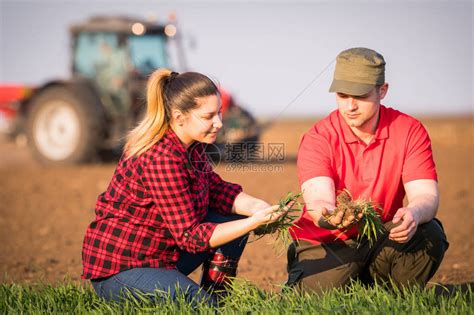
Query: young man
[[378, 154]]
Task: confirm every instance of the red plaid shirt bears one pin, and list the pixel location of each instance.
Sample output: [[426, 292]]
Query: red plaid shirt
[[154, 208]]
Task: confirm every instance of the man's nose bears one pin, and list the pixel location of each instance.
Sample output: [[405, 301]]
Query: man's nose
[[352, 103]]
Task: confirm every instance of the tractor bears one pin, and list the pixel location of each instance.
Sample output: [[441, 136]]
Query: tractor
[[71, 121]]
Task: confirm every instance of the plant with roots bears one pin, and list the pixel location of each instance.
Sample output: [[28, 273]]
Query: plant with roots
[[370, 226]]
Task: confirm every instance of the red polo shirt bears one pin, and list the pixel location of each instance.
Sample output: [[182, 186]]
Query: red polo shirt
[[399, 153]]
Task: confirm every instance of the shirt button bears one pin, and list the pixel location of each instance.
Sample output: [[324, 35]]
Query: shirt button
[[186, 234]]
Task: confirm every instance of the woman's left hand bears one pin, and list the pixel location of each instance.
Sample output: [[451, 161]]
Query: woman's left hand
[[259, 205]]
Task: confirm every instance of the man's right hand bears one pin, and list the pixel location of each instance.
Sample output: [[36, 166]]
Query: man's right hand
[[331, 221], [320, 196]]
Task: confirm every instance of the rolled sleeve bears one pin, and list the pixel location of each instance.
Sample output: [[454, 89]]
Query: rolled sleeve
[[196, 239], [222, 194], [167, 183], [418, 163], [314, 158]]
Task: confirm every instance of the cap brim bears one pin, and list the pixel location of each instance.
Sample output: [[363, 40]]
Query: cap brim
[[350, 88]]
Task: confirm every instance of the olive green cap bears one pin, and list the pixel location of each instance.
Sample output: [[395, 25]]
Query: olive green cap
[[358, 71]]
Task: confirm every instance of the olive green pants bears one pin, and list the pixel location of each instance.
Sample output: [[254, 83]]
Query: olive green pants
[[318, 268]]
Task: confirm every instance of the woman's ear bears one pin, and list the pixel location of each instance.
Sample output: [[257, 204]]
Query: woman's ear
[[178, 117]]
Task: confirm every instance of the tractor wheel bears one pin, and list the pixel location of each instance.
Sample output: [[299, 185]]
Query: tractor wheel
[[63, 125]]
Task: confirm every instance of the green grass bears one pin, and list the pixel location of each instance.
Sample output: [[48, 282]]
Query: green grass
[[76, 299]]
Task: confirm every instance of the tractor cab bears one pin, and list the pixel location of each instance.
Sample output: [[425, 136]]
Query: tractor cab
[[137, 45], [117, 54]]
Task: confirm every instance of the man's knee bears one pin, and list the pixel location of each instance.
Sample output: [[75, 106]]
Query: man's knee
[[325, 281], [435, 240], [315, 268], [414, 262]]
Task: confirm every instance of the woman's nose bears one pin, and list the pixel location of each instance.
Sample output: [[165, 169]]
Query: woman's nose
[[217, 122]]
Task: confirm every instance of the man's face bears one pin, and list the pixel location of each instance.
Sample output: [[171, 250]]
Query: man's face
[[359, 111]]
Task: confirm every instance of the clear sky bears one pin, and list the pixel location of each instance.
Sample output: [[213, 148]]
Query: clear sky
[[276, 57]]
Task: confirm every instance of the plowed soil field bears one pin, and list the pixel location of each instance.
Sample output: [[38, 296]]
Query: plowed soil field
[[44, 211]]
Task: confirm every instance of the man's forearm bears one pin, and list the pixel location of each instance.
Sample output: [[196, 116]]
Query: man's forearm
[[424, 207], [319, 193]]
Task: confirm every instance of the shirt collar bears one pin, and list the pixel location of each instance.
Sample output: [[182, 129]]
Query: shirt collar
[[380, 133], [193, 157], [174, 144], [382, 128]]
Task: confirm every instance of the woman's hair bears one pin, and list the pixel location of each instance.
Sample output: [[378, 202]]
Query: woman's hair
[[166, 91]]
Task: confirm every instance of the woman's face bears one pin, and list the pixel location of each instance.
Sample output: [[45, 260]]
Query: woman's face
[[202, 123]]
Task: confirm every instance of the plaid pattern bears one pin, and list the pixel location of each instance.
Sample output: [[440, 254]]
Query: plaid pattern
[[154, 208]]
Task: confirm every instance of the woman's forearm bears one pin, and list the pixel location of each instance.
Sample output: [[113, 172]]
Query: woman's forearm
[[229, 231], [246, 205]]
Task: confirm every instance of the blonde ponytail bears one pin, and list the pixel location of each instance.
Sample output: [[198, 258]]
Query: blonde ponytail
[[155, 123]]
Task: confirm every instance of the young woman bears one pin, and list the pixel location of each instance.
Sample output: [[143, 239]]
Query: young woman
[[166, 211]]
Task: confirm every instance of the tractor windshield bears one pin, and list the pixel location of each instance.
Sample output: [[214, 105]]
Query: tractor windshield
[[100, 52], [148, 52]]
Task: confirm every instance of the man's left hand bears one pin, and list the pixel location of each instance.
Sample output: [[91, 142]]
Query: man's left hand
[[403, 232]]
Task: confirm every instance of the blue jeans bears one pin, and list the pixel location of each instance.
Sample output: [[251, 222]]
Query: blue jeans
[[171, 281]]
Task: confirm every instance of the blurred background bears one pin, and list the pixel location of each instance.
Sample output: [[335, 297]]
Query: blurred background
[[274, 60], [266, 52]]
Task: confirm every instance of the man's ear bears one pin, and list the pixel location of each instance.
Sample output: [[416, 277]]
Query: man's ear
[[383, 90], [178, 117]]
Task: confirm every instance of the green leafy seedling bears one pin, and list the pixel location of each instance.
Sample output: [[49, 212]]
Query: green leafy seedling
[[280, 228]]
